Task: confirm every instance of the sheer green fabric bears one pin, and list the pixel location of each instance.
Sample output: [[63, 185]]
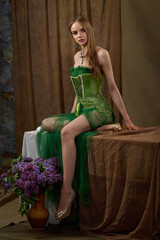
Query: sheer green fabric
[[90, 103], [49, 145]]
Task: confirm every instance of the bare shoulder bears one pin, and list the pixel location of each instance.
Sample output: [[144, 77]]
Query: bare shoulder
[[77, 59], [103, 55], [76, 55]]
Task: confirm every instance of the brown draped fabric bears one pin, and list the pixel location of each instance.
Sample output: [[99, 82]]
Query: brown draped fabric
[[43, 52], [124, 172]]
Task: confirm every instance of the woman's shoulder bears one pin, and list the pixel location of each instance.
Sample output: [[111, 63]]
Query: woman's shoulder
[[102, 54], [77, 55]]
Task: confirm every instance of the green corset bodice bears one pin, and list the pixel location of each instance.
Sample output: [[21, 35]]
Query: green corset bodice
[[88, 92], [84, 83]]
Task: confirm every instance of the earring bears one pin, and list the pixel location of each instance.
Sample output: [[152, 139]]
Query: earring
[[75, 45]]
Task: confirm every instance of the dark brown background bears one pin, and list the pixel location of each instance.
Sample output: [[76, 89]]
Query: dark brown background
[[140, 22], [44, 50]]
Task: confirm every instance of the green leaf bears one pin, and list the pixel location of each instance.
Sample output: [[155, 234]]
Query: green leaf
[[6, 179], [18, 191], [50, 188], [35, 198], [11, 180], [13, 160], [24, 207], [43, 169], [32, 202], [14, 189], [16, 175], [18, 194], [19, 158]]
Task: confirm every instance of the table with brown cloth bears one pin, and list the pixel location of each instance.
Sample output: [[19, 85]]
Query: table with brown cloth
[[124, 172]]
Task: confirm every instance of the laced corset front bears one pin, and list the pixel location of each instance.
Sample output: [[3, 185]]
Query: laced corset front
[[88, 92]]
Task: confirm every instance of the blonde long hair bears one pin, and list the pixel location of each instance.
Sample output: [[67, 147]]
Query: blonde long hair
[[91, 45]]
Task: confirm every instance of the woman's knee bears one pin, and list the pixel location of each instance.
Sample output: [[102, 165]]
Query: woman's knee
[[44, 123], [66, 134], [48, 124]]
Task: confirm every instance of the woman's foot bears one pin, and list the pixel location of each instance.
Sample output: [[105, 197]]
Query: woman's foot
[[110, 127], [66, 200]]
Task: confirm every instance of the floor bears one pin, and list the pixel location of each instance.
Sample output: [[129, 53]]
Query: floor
[[23, 231]]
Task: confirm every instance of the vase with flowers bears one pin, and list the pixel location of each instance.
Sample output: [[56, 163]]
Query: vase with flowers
[[30, 180]]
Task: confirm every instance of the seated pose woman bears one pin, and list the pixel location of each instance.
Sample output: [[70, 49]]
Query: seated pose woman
[[66, 135]]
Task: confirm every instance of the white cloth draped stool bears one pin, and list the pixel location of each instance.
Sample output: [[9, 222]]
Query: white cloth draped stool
[[29, 149]]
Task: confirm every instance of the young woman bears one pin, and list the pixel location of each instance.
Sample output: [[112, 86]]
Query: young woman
[[90, 111]]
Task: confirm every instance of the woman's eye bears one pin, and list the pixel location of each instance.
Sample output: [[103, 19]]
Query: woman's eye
[[74, 33], [82, 30]]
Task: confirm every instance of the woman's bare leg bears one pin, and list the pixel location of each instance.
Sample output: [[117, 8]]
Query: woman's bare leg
[[48, 124], [68, 134], [110, 127]]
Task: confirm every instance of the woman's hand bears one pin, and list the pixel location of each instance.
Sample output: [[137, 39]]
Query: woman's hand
[[130, 126]]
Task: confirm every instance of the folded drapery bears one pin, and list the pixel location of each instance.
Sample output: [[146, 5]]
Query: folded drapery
[[124, 173]]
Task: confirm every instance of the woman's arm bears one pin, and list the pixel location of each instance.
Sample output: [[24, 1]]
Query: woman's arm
[[105, 63], [74, 105]]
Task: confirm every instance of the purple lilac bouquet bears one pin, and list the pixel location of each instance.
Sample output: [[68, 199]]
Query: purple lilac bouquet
[[30, 178]]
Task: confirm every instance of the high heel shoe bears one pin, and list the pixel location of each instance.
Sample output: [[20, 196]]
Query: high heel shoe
[[65, 213]]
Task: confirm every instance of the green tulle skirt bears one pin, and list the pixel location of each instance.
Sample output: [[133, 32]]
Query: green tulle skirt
[[49, 145]]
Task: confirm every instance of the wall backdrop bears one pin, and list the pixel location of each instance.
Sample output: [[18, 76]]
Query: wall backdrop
[[141, 60]]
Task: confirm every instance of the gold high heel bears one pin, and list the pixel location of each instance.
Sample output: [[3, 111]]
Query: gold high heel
[[65, 213]]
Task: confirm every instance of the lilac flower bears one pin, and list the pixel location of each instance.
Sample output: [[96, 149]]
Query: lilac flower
[[4, 181], [27, 185], [31, 178], [26, 159]]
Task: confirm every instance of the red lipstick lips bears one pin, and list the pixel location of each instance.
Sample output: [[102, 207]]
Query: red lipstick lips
[[81, 40]]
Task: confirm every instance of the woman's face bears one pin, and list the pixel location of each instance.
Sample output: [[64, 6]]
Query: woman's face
[[79, 34]]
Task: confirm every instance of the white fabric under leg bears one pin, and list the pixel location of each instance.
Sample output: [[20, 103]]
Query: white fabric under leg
[[29, 148]]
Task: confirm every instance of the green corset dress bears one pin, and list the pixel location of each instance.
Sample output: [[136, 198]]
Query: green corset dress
[[90, 103], [90, 100]]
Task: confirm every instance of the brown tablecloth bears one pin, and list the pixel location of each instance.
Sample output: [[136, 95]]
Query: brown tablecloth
[[124, 171]]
